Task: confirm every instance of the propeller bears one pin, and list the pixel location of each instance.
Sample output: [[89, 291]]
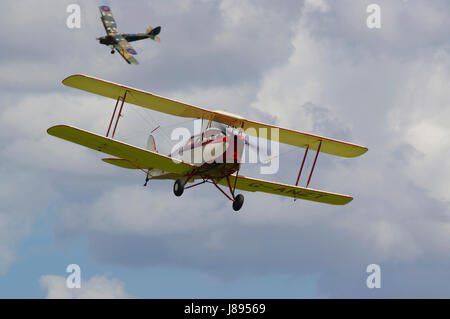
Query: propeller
[[226, 130], [250, 141], [222, 127]]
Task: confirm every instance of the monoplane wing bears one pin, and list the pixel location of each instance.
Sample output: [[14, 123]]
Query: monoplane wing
[[257, 185], [136, 156], [168, 106], [108, 20], [125, 49]]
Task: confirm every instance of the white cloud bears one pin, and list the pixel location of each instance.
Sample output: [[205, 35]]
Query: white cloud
[[320, 5], [143, 211], [22, 199], [97, 287], [420, 119]]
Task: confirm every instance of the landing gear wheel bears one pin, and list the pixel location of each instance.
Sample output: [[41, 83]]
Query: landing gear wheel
[[238, 202], [112, 51], [178, 187]]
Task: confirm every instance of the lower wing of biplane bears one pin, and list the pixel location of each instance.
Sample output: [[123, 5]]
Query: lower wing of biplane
[[137, 158]]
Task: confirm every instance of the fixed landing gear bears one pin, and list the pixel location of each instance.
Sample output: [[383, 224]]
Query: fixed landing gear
[[178, 187], [112, 51], [238, 202]]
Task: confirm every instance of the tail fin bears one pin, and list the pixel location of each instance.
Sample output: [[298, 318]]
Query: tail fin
[[153, 32], [151, 144]]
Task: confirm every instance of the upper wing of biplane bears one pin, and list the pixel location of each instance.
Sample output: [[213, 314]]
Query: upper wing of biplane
[[165, 105], [108, 20], [257, 185], [125, 49], [134, 155]]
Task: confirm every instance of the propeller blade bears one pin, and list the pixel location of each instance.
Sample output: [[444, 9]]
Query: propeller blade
[[222, 127]]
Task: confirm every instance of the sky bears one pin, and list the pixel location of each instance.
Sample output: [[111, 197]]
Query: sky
[[312, 66]]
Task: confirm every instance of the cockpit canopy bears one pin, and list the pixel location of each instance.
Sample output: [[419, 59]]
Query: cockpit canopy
[[209, 135]]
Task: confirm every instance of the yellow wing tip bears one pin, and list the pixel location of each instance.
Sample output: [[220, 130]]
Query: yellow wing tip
[[67, 80], [348, 200], [52, 130], [365, 151], [362, 150]]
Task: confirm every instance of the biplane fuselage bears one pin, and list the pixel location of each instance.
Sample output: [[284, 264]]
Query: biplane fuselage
[[215, 155]]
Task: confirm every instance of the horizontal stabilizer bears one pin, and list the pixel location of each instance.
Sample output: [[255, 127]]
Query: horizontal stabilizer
[[153, 31]]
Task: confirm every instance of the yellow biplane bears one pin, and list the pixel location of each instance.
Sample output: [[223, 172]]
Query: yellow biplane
[[225, 150]]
